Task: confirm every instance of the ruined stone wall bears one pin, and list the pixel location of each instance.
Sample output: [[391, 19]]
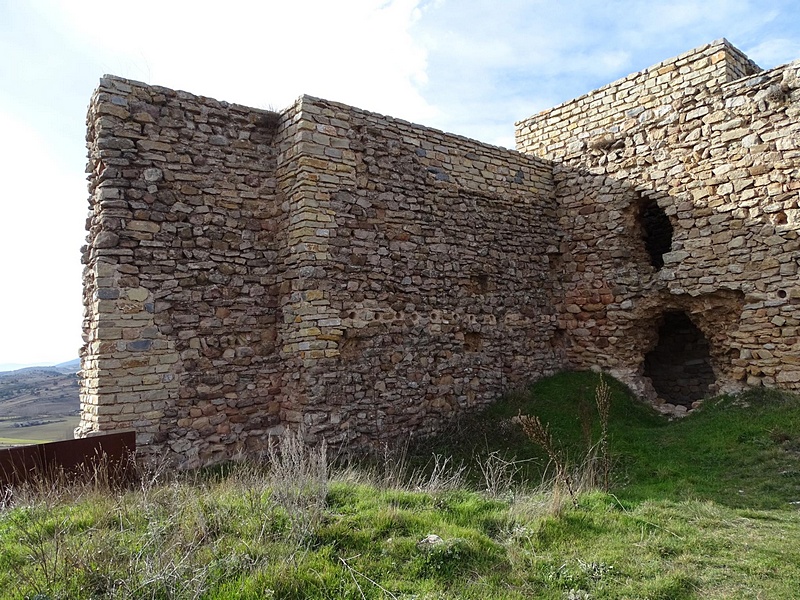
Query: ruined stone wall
[[594, 118], [431, 290], [365, 279], [720, 158], [324, 268], [182, 271]]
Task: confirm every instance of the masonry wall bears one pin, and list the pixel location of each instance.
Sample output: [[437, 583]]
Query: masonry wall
[[183, 271], [436, 291], [593, 119], [364, 279], [721, 159], [324, 268]]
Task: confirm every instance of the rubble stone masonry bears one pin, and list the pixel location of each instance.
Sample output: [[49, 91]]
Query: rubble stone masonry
[[366, 279], [324, 268], [714, 142]]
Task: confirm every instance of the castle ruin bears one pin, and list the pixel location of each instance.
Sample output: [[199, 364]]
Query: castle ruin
[[365, 278]]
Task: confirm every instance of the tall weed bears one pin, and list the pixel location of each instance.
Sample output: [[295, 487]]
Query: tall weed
[[602, 396], [441, 474], [498, 474], [596, 464], [298, 477], [539, 434]]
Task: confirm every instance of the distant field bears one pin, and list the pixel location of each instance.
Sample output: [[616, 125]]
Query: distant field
[[37, 395], [58, 429]]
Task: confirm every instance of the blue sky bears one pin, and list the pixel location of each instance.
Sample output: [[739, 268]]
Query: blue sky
[[467, 66]]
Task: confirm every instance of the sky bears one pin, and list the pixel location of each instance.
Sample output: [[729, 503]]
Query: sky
[[471, 67]]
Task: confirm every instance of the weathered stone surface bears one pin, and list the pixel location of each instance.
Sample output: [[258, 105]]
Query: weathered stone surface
[[729, 190], [340, 272], [366, 279], [106, 239]]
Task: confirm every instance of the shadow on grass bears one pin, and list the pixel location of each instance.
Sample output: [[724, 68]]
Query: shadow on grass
[[742, 452]]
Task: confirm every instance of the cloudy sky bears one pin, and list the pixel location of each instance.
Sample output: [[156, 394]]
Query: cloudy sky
[[472, 67]]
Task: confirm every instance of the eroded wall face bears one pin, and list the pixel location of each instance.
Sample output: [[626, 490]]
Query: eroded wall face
[[721, 159], [436, 293], [182, 272], [328, 269], [679, 366]]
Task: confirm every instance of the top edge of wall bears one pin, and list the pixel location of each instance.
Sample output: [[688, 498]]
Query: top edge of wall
[[709, 49], [117, 84]]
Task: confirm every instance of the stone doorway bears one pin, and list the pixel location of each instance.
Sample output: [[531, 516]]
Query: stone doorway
[[680, 364]]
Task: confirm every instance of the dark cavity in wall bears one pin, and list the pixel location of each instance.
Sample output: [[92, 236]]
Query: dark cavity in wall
[[473, 342], [680, 364], [657, 230], [479, 284]]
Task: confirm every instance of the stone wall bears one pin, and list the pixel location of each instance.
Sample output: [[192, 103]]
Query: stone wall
[[430, 290], [365, 279], [720, 158], [325, 268], [562, 130], [182, 270]]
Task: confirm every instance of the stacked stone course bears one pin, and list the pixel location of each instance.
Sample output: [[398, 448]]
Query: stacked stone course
[[182, 270], [561, 131], [364, 278], [437, 276], [324, 268], [720, 156]]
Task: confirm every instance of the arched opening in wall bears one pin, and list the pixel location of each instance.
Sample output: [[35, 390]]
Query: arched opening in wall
[[656, 230], [680, 364]]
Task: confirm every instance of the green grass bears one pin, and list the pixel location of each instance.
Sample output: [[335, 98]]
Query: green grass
[[698, 508], [739, 451]]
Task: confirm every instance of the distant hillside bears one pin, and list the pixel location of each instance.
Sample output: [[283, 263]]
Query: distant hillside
[[38, 404], [71, 366]]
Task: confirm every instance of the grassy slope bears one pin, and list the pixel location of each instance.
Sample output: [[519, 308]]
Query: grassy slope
[[739, 452], [700, 508]]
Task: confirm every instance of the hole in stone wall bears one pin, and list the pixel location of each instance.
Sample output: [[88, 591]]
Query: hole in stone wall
[[472, 341], [479, 284], [559, 344], [352, 348], [680, 364], [657, 230], [559, 340]]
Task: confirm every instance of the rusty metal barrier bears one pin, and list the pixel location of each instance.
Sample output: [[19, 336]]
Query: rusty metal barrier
[[111, 456]]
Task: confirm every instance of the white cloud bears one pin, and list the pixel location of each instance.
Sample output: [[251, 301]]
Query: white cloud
[[264, 53], [488, 60], [257, 53]]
